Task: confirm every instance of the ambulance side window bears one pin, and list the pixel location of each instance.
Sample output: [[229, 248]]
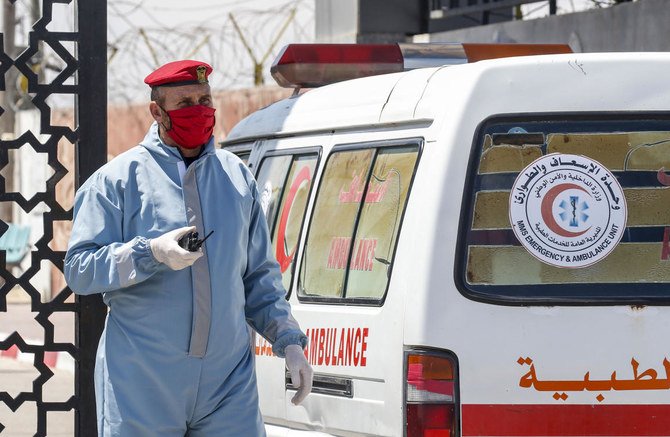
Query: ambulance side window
[[284, 183], [568, 209], [242, 151], [244, 156], [354, 227], [271, 179]]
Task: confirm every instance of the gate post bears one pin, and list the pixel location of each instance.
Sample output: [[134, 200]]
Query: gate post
[[90, 154]]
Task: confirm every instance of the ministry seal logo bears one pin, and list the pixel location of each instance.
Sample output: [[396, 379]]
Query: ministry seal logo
[[567, 210]]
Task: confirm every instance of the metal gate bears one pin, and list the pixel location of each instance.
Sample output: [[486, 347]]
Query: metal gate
[[79, 76]]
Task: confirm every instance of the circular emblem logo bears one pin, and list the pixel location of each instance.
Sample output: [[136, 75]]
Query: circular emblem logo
[[567, 210]]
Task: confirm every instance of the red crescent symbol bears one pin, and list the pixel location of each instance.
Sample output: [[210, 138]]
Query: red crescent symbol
[[283, 258], [548, 215], [663, 178]]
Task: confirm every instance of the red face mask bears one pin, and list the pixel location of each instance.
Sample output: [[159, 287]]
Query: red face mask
[[192, 126]]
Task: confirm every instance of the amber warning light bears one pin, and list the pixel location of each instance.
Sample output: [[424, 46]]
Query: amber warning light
[[314, 65]]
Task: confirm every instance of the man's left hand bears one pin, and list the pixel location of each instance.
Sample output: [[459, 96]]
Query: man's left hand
[[300, 370]]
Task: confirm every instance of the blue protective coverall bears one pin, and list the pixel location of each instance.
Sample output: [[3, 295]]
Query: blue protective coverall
[[175, 357]]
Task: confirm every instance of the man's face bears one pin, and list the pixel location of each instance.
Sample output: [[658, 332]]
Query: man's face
[[177, 97]]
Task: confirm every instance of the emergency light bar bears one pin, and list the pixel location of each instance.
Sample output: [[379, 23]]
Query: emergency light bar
[[314, 65]]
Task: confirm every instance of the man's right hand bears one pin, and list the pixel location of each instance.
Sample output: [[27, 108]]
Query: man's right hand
[[301, 372], [166, 249]]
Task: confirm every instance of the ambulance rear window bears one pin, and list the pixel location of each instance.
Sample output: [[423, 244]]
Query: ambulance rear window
[[568, 210], [355, 223]]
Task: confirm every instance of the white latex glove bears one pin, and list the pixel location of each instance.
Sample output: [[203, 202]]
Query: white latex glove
[[301, 372], [167, 251]]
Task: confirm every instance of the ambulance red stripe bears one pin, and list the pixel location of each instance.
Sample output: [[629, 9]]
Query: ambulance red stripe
[[565, 420]]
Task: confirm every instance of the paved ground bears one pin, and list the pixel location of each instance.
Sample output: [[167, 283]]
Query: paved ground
[[18, 317], [17, 375]]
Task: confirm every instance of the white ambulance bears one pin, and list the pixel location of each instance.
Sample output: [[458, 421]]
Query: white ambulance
[[474, 249]]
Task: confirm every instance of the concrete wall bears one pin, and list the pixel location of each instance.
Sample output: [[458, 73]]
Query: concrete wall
[[336, 21], [367, 21], [643, 25]]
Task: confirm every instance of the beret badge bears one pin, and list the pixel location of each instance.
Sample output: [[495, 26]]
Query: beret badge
[[201, 71]]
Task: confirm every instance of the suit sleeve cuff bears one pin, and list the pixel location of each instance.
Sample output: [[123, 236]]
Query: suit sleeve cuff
[[287, 338]]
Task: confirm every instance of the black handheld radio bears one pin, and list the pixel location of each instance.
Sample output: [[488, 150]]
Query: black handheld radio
[[191, 242]]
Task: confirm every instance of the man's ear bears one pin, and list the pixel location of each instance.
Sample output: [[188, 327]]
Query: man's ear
[[156, 112]]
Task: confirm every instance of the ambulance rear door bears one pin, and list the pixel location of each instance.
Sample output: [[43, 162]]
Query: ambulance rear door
[[342, 292]]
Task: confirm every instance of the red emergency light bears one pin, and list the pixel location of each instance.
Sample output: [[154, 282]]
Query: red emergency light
[[314, 65]]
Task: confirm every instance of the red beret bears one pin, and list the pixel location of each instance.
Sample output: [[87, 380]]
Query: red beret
[[179, 73]]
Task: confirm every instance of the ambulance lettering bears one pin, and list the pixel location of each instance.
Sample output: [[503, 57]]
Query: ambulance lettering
[[363, 258], [346, 347], [375, 194], [263, 347], [337, 346], [646, 380]]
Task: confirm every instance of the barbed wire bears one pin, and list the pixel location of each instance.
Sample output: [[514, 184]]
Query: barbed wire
[[149, 39]]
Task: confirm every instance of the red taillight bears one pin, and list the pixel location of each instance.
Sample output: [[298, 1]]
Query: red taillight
[[430, 420], [430, 396]]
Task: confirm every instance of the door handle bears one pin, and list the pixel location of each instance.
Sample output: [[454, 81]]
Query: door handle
[[327, 385]]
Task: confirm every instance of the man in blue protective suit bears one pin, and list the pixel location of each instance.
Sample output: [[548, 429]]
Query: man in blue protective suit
[[175, 358]]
